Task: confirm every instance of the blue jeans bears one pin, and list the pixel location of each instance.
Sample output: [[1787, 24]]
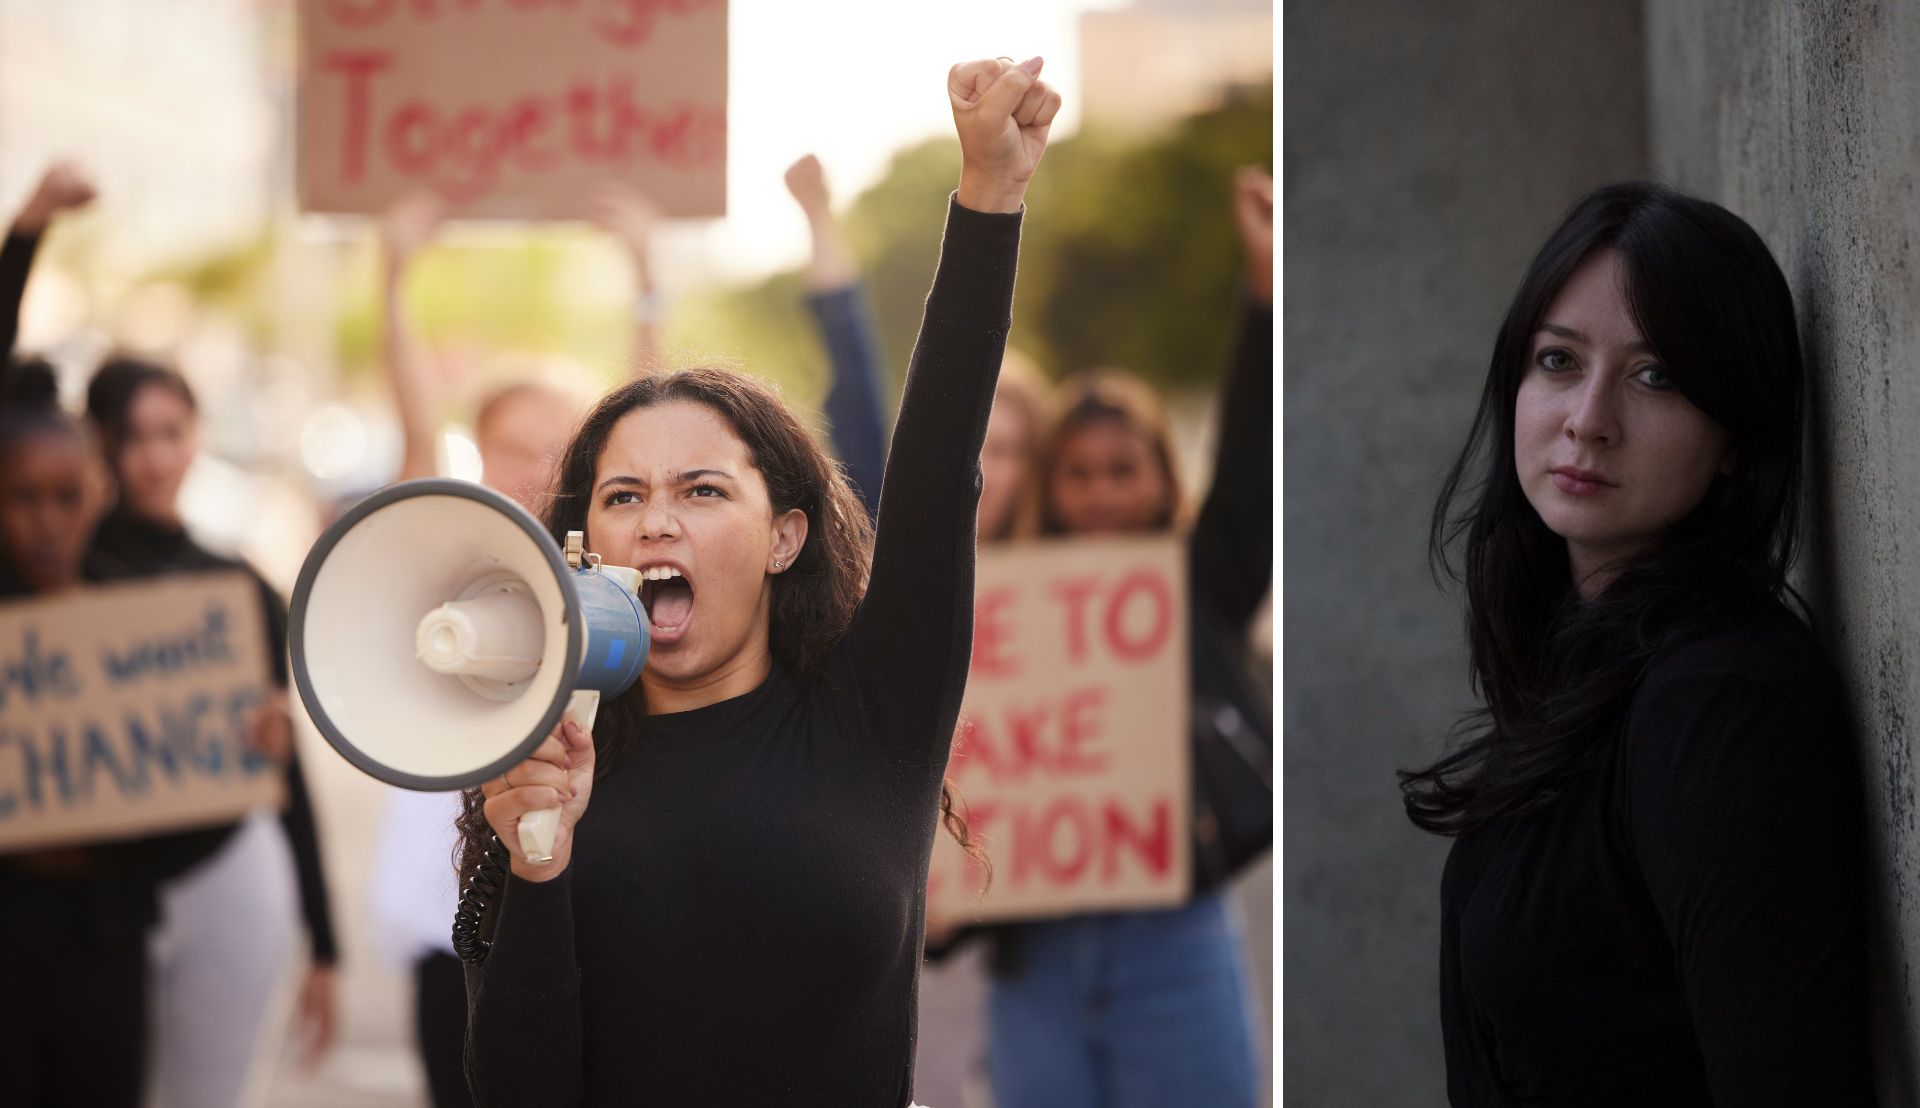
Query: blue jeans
[[1125, 1010]]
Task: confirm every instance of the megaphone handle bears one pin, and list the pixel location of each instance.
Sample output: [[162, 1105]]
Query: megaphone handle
[[538, 828]]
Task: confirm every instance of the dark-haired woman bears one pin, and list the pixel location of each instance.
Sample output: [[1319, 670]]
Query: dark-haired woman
[[74, 921], [739, 917], [1654, 892], [228, 926]]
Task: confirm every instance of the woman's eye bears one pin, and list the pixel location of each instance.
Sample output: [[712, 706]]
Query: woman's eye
[[1553, 361], [1649, 375], [705, 491], [620, 497]]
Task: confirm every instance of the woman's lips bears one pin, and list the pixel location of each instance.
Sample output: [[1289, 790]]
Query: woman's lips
[[667, 636], [1577, 486]]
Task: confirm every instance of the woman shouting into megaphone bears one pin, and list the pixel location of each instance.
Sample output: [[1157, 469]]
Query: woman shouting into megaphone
[[737, 917]]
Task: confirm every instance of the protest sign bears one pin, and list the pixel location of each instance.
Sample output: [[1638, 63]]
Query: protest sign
[[1071, 758], [123, 709], [512, 109]]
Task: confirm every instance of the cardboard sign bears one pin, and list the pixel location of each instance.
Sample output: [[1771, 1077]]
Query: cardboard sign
[[1071, 756], [123, 707], [512, 109]]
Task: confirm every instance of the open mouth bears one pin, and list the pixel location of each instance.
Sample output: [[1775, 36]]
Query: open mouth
[[668, 596]]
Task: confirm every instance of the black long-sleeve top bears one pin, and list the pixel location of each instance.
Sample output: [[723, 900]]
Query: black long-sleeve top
[[1684, 927], [16, 261], [128, 546], [742, 918]]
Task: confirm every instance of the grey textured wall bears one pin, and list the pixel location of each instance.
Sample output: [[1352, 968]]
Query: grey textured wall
[[1429, 149], [1805, 120]]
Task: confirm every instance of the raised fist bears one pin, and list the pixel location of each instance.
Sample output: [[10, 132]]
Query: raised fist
[[1253, 216], [808, 184], [61, 188], [1002, 112], [409, 224], [621, 209]]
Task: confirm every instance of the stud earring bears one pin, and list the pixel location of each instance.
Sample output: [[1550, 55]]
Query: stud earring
[[779, 565]]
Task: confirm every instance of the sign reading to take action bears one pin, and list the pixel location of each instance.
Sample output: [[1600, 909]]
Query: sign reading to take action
[[1071, 757], [512, 109], [123, 710]]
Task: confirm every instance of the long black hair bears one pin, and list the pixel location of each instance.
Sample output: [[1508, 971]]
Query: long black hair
[[1554, 671]]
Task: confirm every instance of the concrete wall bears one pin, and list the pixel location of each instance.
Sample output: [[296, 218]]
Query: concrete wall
[[1429, 149], [1805, 120]]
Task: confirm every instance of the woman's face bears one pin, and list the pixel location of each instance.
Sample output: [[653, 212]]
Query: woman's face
[[51, 493], [675, 486], [1005, 466], [161, 440], [521, 444], [1595, 399], [1106, 479]]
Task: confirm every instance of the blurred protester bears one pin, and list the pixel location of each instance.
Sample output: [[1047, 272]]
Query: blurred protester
[[61, 188], [1151, 1007], [951, 990], [519, 429], [1009, 465], [74, 921], [839, 308], [227, 927]]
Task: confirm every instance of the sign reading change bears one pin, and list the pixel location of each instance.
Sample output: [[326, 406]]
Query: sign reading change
[[512, 109], [123, 710], [1071, 757]]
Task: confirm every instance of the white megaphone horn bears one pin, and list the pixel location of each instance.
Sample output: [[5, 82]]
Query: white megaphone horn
[[439, 633]]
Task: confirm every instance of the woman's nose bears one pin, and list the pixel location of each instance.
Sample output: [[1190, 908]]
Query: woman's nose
[[1593, 418], [657, 522]]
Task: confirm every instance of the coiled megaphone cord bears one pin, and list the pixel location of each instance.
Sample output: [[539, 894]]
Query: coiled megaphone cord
[[488, 878]]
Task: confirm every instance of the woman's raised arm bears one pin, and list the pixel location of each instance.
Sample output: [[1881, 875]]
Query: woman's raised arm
[[914, 629]]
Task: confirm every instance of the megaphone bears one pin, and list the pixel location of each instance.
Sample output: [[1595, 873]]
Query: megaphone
[[439, 633]]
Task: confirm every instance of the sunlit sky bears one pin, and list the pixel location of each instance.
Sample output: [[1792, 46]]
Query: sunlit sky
[[851, 81]]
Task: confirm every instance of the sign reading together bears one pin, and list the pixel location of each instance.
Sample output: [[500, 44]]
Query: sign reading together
[[1071, 757], [512, 109], [123, 710]]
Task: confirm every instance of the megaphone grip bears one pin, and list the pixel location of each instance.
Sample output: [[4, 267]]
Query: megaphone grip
[[537, 831], [538, 828]]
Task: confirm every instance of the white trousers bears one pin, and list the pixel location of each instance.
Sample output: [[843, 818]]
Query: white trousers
[[223, 962]]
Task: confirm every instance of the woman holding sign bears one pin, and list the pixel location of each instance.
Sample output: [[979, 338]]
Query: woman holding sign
[[229, 926], [74, 921], [739, 918], [1655, 889], [1150, 1007]]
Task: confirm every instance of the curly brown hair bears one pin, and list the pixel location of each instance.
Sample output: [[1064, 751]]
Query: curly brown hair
[[813, 601]]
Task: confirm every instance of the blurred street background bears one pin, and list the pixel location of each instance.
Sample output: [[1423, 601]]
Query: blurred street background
[[195, 254]]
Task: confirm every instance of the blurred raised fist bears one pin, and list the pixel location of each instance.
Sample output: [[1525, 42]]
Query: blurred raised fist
[[1002, 112], [808, 184], [61, 188], [1253, 216], [622, 210], [410, 223]]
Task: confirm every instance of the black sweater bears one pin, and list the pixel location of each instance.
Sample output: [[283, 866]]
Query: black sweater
[[16, 262], [1685, 926], [742, 919], [127, 546]]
